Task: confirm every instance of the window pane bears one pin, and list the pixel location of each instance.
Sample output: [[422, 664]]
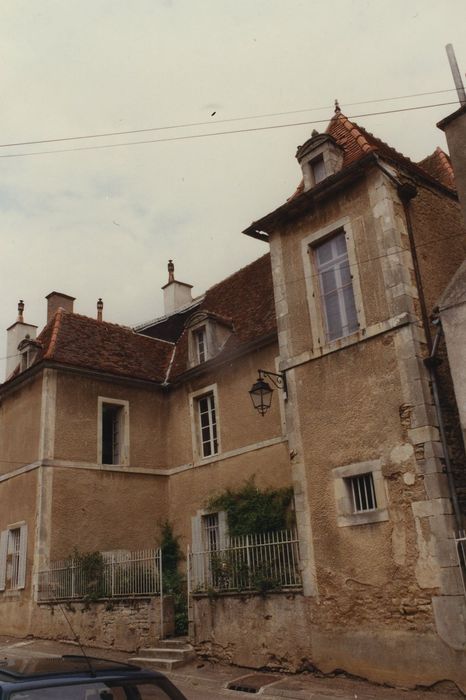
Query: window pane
[[332, 311], [318, 170]]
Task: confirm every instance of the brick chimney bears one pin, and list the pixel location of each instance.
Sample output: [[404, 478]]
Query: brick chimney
[[175, 294], [16, 333], [56, 300]]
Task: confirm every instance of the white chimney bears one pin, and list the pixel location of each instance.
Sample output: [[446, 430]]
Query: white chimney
[[15, 334], [175, 294]]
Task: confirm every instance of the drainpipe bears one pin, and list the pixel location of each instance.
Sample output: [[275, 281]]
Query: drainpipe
[[432, 362]]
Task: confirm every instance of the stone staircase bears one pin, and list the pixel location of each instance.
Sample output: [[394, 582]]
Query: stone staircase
[[167, 655]]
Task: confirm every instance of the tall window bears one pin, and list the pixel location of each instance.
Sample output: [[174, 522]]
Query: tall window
[[211, 532], [13, 551], [208, 425], [112, 434], [336, 287], [201, 344]]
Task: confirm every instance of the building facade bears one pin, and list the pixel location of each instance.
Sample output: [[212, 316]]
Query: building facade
[[121, 430]]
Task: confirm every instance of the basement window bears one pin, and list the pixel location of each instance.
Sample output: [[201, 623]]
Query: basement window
[[360, 493]]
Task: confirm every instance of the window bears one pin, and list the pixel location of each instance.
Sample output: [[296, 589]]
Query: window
[[13, 551], [113, 431], [336, 287], [318, 169], [201, 344], [362, 492], [207, 425], [211, 532]]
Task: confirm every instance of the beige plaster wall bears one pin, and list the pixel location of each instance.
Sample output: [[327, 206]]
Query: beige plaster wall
[[98, 510], [76, 420], [278, 632], [20, 425], [18, 504], [190, 491]]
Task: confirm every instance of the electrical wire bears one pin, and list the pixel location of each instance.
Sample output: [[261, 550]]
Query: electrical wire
[[218, 133], [217, 121]]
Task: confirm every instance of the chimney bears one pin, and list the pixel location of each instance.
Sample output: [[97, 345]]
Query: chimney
[[100, 308], [57, 300], [14, 335], [175, 294]]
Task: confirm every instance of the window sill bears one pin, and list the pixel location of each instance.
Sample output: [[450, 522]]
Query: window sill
[[374, 516], [340, 343]]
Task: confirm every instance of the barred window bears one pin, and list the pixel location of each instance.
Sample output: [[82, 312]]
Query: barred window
[[363, 493]]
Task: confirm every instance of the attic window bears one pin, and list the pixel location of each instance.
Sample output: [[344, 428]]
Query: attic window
[[200, 339], [318, 169]]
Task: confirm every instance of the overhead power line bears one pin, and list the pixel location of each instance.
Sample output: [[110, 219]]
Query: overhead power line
[[217, 121], [210, 134]]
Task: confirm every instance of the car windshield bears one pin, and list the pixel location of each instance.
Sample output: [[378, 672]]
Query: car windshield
[[97, 691]]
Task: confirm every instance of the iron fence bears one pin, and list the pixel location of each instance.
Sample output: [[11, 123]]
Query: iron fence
[[261, 562], [112, 575]]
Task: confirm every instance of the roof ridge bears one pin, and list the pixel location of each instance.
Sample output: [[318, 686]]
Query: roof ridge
[[350, 127], [57, 319]]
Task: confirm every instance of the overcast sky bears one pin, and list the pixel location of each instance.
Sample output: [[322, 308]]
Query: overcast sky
[[103, 223]]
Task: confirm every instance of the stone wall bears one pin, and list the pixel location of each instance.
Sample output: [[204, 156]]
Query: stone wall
[[126, 625], [279, 631]]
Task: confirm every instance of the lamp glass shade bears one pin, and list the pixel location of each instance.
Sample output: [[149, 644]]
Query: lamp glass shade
[[261, 396]]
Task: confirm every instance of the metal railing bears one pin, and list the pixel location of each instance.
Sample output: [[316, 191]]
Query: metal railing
[[261, 562], [460, 542], [113, 575]]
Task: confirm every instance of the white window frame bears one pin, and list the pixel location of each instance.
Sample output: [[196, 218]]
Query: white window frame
[[194, 399], [344, 498], [124, 447], [13, 578], [200, 339], [314, 299]]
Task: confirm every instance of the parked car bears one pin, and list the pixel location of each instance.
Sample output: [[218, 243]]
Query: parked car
[[81, 678]]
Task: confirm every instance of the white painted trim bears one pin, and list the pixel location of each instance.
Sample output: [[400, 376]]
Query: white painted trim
[[316, 311], [92, 466], [195, 427], [101, 400]]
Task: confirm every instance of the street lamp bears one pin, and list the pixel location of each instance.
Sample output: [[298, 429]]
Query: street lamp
[[261, 391]]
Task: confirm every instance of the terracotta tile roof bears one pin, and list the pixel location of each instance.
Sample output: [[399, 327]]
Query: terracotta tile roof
[[356, 142], [79, 341], [438, 164], [244, 301]]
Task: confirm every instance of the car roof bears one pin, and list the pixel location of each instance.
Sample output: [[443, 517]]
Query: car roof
[[17, 669]]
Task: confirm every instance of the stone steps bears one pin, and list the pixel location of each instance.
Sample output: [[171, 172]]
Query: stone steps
[[167, 655]]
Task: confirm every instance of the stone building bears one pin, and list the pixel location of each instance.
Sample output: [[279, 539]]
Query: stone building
[[359, 257]]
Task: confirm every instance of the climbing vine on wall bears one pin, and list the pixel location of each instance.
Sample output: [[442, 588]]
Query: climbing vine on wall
[[252, 510]]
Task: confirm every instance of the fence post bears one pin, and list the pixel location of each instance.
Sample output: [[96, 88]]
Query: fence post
[[161, 592], [112, 576]]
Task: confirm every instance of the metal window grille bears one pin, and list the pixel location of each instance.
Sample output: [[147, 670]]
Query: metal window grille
[[336, 287], [14, 550], [363, 493], [201, 344], [112, 417], [208, 425], [252, 562], [460, 542], [122, 574], [211, 532]]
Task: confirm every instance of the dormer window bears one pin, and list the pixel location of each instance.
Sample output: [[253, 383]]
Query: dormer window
[[320, 157], [207, 334], [200, 340], [28, 352]]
